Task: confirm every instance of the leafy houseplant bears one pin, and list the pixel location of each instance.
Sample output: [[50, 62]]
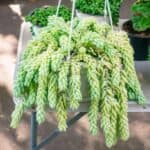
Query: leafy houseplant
[[50, 75], [141, 15], [96, 7], [39, 16], [138, 28]]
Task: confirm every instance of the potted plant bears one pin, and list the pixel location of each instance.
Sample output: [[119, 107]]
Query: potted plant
[[138, 29], [56, 65], [39, 16], [95, 8]]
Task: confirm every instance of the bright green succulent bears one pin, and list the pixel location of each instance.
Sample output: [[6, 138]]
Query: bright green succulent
[[46, 78]]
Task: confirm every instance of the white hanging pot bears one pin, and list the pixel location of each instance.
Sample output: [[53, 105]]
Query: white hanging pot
[[99, 19]]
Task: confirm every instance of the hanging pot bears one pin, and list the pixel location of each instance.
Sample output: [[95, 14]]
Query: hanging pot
[[141, 47], [140, 41]]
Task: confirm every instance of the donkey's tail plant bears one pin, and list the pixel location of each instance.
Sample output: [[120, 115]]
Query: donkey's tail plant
[[48, 78]]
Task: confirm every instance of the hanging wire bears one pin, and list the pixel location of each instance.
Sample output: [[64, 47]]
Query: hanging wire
[[109, 13], [105, 10], [71, 24], [71, 28], [58, 7]]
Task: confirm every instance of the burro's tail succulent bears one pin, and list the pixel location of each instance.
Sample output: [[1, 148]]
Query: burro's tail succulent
[[46, 78]]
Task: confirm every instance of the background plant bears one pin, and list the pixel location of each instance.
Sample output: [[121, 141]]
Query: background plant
[[46, 78], [39, 16], [96, 7], [141, 15]]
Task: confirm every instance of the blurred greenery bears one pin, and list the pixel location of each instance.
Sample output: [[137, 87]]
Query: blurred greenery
[[96, 7], [39, 16], [141, 15]]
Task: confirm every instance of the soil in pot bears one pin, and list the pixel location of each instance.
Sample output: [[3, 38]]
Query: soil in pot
[[140, 41]]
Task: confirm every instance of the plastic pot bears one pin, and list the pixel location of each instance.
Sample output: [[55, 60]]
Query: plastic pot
[[141, 47], [140, 41]]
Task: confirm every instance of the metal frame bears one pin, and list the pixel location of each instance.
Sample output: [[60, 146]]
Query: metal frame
[[34, 129]]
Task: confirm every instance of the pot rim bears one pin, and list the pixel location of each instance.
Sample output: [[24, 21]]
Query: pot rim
[[137, 34], [78, 11]]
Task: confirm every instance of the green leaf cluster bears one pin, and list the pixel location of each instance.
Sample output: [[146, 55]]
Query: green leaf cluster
[[39, 16], [141, 15], [96, 7], [46, 78]]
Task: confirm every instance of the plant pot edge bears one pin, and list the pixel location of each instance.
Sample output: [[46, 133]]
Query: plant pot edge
[[132, 34], [98, 18]]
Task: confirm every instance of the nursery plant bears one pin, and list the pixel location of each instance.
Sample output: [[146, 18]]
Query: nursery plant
[[96, 7], [141, 15], [39, 16], [138, 28], [51, 69]]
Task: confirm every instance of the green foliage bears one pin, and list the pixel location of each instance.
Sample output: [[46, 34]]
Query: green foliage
[[61, 110], [42, 90], [123, 129], [96, 7], [141, 15], [92, 75], [52, 90], [63, 77], [46, 78], [75, 84], [133, 88], [17, 115], [39, 16]]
